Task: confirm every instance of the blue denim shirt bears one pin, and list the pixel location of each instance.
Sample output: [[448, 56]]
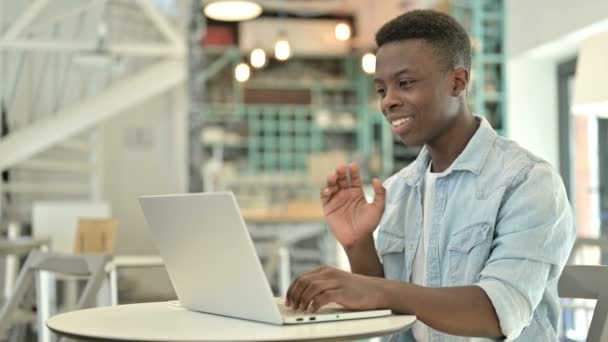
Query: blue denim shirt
[[501, 221]]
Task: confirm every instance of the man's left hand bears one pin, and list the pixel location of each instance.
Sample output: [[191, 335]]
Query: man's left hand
[[311, 290]]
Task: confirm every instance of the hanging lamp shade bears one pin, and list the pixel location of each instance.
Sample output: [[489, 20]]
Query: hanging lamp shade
[[232, 10]]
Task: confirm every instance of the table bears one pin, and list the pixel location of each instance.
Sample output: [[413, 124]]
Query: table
[[162, 322]]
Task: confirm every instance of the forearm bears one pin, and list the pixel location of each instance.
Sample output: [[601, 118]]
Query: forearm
[[464, 311], [364, 259]]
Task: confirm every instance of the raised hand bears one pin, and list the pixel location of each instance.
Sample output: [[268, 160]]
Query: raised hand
[[349, 216]]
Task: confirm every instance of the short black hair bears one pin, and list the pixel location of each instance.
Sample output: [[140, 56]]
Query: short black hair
[[449, 39]]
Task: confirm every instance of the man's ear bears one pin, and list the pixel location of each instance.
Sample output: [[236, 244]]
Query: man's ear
[[460, 81]]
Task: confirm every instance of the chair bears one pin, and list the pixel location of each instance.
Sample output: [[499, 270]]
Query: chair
[[58, 220], [95, 236], [91, 266], [588, 282]]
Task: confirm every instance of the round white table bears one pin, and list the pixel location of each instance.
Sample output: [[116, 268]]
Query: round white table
[[163, 322]]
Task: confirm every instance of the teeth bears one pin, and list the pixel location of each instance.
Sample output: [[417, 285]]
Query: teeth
[[400, 122]]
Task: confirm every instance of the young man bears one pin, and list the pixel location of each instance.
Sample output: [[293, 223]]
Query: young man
[[473, 236]]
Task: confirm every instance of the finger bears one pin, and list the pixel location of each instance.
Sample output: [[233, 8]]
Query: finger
[[327, 193], [380, 194], [324, 298], [295, 283], [314, 289], [332, 180], [342, 177], [297, 286], [296, 295], [355, 175]]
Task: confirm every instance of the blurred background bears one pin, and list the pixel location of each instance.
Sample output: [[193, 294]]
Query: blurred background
[[103, 101]]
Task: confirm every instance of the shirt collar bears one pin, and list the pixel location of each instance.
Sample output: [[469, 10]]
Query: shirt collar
[[472, 158]]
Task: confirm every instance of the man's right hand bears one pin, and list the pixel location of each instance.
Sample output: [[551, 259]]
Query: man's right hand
[[349, 216]]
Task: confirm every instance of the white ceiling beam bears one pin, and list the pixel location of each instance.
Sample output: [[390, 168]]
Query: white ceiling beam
[[163, 25], [146, 50], [24, 20], [40, 44], [123, 49], [154, 80], [67, 14]]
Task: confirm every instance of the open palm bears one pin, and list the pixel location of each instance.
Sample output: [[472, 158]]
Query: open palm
[[349, 216]]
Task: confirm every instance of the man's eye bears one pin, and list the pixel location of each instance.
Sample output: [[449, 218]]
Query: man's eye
[[380, 91], [406, 83]]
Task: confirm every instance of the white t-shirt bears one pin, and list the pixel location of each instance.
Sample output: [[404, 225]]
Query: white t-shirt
[[419, 329]]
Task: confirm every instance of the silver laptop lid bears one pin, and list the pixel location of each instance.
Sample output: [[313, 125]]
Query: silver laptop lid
[[209, 255]]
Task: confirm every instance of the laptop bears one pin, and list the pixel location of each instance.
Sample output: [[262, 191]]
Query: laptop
[[213, 265]]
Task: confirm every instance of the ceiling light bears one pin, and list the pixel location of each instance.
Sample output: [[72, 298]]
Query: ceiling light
[[368, 63], [242, 72], [282, 49], [228, 10], [342, 32], [257, 58]]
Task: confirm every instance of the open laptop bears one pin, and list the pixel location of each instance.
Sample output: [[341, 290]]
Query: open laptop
[[212, 262]]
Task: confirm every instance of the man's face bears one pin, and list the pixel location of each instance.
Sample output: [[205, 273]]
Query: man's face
[[415, 90]]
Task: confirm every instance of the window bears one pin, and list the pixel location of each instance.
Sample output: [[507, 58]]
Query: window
[[583, 144]]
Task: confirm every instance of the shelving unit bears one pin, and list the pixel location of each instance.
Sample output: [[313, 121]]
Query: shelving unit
[[278, 138], [484, 21]]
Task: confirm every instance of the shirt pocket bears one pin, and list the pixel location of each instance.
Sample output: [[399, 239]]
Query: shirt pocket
[[391, 250], [468, 250]]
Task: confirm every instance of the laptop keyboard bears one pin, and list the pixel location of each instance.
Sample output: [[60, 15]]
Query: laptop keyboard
[[327, 309]]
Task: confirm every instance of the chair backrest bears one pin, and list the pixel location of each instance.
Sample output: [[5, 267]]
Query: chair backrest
[[90, 265], [588, 282], [57, 220], [95, 236]]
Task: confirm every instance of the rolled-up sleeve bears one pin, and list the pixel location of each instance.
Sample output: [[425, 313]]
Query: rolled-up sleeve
[[533, 237]]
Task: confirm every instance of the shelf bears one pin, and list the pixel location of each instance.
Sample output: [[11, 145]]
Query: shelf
[[339, 130], [491, 58], [228, 145], [299, 84], [493, 98], [492, 16]]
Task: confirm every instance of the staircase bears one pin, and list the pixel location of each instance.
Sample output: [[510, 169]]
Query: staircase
[[66, 69]]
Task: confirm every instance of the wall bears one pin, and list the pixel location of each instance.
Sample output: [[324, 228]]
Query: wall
[[558, 28], [549, 20], [140, 158]]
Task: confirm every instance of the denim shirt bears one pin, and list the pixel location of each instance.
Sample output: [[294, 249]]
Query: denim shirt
[[501, 221]]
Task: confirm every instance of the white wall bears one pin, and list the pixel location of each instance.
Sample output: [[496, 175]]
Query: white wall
[[531, 24], [532, 106], [540, 35], [140, 158]]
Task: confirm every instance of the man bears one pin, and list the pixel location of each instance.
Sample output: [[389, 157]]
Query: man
[[472, 236]]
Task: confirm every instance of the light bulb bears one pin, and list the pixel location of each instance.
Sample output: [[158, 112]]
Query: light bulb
[[282, 50], [368, 63], [257, 58], [242, 72], [342, 31]]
